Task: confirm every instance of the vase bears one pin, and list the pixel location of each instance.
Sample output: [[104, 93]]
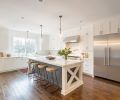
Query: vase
[[66, 56]]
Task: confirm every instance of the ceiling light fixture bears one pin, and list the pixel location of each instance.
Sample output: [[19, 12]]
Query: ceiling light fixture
[[41, 30]]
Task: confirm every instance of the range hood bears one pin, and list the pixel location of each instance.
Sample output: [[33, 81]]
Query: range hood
[[72, 39]]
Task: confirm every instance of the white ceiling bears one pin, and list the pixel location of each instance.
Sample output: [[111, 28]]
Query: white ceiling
[[46, 13]]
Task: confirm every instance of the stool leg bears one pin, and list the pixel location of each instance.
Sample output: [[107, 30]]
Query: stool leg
[[47, 75], [43, 78], [52, 77], [47, 85], [57, 84], [56, 79], [47, 78], [35, 72], [44, 73]]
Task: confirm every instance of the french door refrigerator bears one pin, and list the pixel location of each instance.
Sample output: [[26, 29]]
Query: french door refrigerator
[[107, 56]]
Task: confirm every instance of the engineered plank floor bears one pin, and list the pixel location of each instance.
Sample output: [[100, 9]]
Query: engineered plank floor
[[18, 86]]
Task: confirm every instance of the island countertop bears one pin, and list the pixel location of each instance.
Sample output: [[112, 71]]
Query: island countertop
[[58, 61]]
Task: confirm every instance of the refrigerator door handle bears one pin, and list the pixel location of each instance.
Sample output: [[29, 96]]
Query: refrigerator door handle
[[105, 57], [109, 49]]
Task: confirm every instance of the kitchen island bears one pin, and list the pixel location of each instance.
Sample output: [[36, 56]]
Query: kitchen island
[[72, 71]]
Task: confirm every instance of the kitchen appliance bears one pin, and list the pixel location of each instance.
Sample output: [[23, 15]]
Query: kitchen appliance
[[72, 39], [107, 56]]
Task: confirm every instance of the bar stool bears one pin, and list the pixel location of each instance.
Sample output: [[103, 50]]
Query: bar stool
[[35, 71], [42, 72], [52, 70], [31, 64]]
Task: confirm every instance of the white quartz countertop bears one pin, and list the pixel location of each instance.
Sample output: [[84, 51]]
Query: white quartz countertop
[[58, 61], [11, 57]]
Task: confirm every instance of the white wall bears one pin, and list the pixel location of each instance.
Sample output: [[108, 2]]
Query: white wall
[[55, 42], [45, 43], [3, 39]]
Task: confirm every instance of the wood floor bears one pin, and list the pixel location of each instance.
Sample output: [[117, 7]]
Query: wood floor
[[17, 86]]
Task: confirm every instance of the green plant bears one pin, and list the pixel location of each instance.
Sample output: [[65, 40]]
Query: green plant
[[65, 52]]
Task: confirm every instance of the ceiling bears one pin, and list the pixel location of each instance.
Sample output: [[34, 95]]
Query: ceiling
[[27, 15]]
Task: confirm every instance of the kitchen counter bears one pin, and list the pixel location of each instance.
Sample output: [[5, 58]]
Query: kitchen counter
[[67, 66], [58, 61], [12, 63]]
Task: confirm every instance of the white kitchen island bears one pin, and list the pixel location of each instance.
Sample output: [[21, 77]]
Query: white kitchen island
[[72, 71]]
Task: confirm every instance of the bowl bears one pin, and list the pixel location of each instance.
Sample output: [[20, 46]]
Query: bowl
[[50, 58]]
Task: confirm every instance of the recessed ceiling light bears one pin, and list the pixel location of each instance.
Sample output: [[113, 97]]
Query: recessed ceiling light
[[22, 17]]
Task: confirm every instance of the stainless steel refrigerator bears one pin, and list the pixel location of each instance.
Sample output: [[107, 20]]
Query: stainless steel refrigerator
[[107, 56]]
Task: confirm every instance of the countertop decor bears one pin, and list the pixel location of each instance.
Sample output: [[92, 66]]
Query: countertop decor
[[65, 52]]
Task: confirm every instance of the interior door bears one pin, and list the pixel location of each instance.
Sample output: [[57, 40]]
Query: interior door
[[114, 57], [100, 56]]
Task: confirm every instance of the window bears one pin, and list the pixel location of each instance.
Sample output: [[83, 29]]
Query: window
[[23, 46]]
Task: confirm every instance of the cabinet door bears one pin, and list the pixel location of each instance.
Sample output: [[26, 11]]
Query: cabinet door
[[100, 56], [2, 65], [114, 57], [96, 29], [101, 28], [105, 27], [115, 25]]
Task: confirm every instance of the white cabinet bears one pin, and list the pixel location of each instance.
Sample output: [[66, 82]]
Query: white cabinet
[[12, 63], [96, 29], [101, 28], [88, 67], [115, 25], [107, 26]]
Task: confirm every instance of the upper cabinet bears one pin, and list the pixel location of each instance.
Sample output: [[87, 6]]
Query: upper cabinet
[[96, 29], [107, 26], [101, 28], [115, 25]]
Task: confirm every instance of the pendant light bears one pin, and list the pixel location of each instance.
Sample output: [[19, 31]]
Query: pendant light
[[27, 35], [26, 42], [41, 30], [80, 26], [60, 26]]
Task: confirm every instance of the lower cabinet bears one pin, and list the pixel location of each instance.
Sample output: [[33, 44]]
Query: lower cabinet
[[88, 67], [12, 63]]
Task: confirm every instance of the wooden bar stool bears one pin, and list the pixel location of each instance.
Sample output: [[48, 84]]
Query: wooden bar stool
[[42, 71], [54, 80]]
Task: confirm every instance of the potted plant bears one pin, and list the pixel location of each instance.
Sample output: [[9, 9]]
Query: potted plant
[[65, 52]]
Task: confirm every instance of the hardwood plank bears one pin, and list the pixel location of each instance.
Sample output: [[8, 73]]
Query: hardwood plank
[[18, 86]]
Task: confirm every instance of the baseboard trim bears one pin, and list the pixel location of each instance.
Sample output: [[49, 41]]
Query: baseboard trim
[[88, 74]]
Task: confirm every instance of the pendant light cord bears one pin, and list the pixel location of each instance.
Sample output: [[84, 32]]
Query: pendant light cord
[[60, 25], [41, 30]]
